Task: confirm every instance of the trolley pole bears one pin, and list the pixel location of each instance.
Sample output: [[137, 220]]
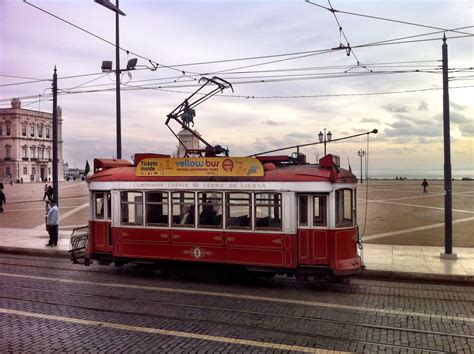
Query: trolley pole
[[55, 137], [448, 217]]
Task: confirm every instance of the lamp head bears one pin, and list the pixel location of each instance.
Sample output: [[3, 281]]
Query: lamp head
[[106, 66], [131, 64], [329, 135], [320, 136]]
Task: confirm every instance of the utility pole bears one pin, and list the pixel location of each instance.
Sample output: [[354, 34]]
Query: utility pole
[[448, 213], [117, 82], [55, 137], [361, 154]]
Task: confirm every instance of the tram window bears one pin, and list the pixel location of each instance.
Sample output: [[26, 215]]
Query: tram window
[[99, 210], [183, 205], [319, 210], [268, 211], [210, 209], [238, 211], [303, 210], [131, 205], [344, 202], [157, 209]]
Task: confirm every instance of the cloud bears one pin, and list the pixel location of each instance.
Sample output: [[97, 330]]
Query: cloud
[[370, 120], [423, 106], [272, 122], [457, 107], [396, 108], [408, 129]]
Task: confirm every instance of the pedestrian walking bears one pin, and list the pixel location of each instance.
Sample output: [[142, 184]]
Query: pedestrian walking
[[52, 222], [425, 185], [3, 200], [45, 195], [46, 210]]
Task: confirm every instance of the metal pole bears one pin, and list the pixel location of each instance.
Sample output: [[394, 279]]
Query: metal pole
[[55, 137], [448, 218], [361, 167], [117, 82]]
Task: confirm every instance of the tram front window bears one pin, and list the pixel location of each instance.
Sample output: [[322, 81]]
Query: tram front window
[[344, 208]]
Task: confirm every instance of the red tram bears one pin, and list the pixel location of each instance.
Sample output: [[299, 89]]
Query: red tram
[[274, 215]]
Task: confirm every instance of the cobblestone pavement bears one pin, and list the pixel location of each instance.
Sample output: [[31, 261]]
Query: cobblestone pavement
[[49, 305]]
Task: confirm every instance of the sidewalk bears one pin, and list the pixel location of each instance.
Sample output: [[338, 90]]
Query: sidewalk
[[382, 261]]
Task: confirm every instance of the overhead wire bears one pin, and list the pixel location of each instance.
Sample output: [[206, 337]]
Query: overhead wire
[[387, 19], [154, 63]]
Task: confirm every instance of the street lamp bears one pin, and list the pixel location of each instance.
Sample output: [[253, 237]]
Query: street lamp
[[325, 138], [361, 154], [115, 8]]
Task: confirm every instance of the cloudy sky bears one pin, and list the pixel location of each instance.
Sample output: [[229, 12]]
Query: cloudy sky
[[289, 80]]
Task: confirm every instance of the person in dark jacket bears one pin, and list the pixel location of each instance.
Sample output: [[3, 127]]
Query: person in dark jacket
[[425, 184], [3, 200]]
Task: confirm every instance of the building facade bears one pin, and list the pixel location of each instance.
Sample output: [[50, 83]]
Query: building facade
[[26, 145]]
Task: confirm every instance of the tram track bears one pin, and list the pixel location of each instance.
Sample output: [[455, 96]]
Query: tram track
[[320, 287], [261, 328]]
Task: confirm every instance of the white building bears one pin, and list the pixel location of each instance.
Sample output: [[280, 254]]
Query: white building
[[26, 144]]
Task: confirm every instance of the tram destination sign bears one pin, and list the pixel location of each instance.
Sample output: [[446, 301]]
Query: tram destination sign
[[200, 166]]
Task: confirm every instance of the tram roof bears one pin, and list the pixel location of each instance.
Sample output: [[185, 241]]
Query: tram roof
[[126, 171]]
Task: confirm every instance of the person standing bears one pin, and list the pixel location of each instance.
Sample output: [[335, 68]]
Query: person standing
[[3, 200], [425, 184], [52, 221]]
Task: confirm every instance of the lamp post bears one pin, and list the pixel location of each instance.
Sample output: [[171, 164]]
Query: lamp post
[[325, 138], [115, 8], [361, 154]]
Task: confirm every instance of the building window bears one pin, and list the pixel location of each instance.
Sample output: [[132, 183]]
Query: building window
[[183, 209], [32, 131], [8, 129], [47, 132], [268, 211], [238, 210], [48, 153], [23, 130], [157, 209], [8, 152], [40, 131], [210, 209], [49, 170], [131, 206], [25, 170], [7, 171], [1, 129], [345, 208], [24, 152], [33, 152], [33, 170], [41, 153]]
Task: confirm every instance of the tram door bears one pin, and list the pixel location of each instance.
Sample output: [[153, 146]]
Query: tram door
[[313, 229], [101, 227]]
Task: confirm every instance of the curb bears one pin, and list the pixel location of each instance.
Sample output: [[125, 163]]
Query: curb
[[417, 277], [35, 252]]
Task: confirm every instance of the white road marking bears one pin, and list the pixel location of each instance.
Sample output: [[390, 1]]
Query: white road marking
[[244, 297], [165, 332], [65, 215], [413, 229], [420, 206]]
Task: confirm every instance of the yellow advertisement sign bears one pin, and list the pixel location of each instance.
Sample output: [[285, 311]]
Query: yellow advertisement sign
[[200, 166]]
